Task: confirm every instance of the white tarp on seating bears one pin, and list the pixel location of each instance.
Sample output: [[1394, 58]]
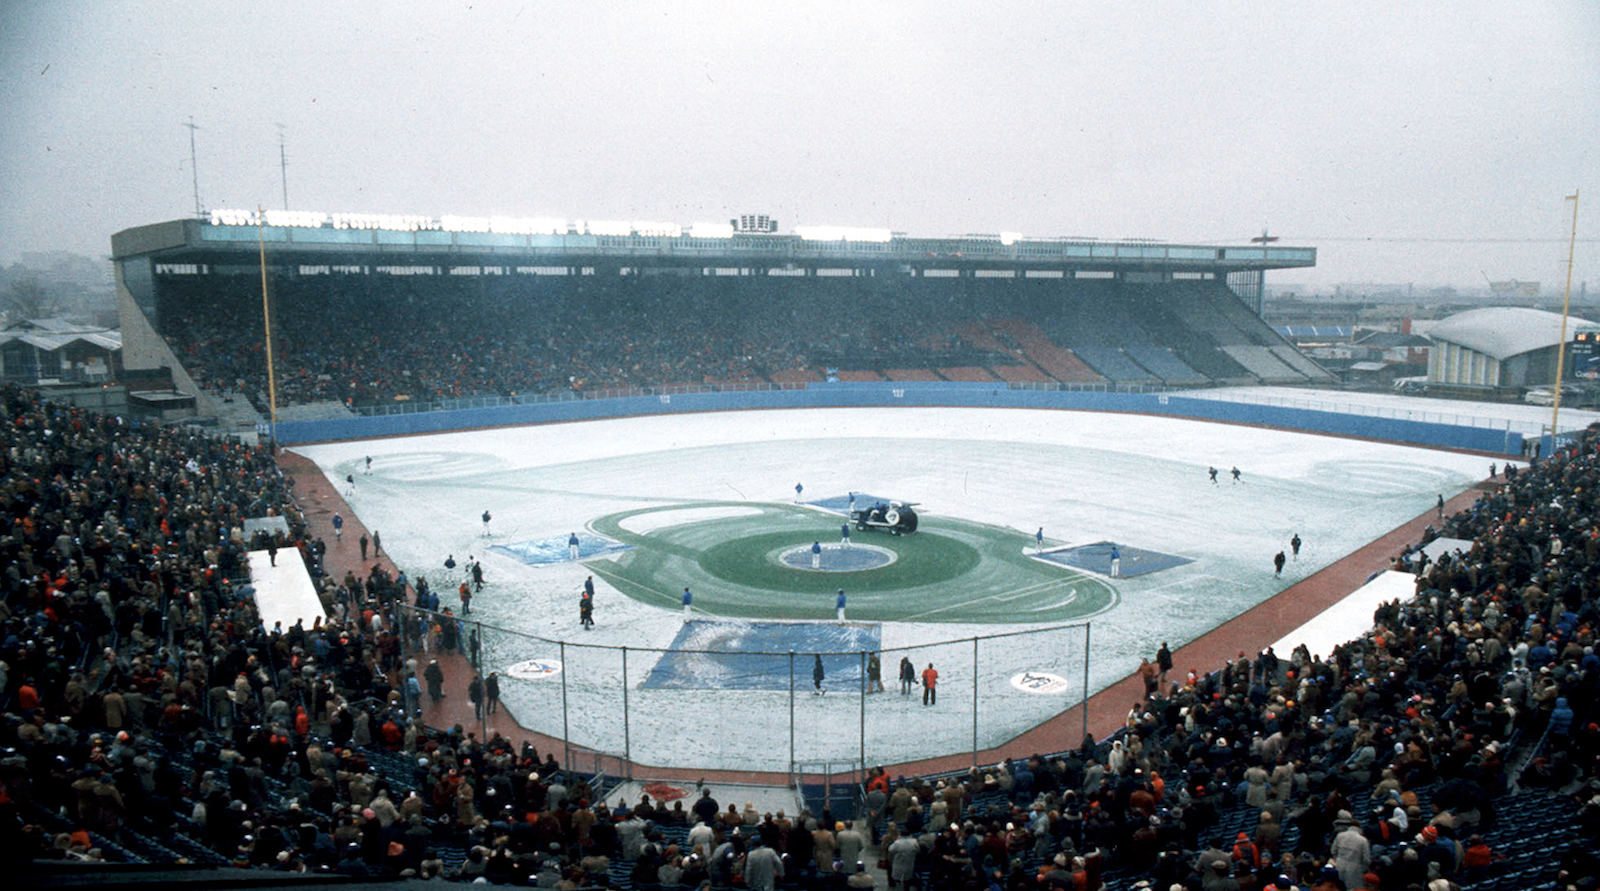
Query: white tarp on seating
[[1445, 546], [1349, 618], [284, 593]]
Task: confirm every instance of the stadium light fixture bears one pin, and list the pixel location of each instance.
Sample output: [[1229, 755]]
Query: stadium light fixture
[[299, 219], [1010, 238], [233, 217], [652, 228], [842, 233], [610, 227], [711, 230]]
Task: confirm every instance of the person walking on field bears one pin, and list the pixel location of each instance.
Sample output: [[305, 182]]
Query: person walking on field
[[817, 676], [486, 519], [572, 545], [1038, 541], [1277, 564], [1235, 472], [908, 675], [434, 675], [1294, 545], [930, 685], [844, 535], [1163, 663], [491, 689], [586, 611], [1213, 474], [874, 673], [688, 600], [797, 490], [1116, 562]]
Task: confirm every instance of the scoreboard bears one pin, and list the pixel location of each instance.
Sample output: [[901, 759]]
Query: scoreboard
[[1585, 349]]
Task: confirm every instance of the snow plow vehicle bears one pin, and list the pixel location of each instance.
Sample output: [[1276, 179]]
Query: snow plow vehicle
[[893, 517]]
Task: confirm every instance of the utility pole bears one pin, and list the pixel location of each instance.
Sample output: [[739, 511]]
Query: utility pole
[[194, 171], [283, 167]]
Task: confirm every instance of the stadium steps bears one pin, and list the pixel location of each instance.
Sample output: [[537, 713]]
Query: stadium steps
[[1026, 373], [1260, 362], [1165, 365], [859, 374], [967, 373], [1057, 362], [908, 374], [1301, 363], [1114, 364]]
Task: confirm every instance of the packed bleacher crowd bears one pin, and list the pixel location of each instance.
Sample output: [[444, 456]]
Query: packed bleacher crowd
[[368, 339], [149, 716]]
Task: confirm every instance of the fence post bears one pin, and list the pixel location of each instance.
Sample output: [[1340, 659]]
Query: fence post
[[627, 740], [864, 690], [1086, 627], [791, 716], [974, 702], [566, 744]]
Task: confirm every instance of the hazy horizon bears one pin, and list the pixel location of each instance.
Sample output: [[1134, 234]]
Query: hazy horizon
[[1430, 144]]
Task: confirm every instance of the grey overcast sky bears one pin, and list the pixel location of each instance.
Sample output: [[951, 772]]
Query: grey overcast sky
[[1446, 133]]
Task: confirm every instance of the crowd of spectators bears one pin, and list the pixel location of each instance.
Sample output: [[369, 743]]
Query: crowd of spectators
[[1378, 767], [145, 703], [370, 339]]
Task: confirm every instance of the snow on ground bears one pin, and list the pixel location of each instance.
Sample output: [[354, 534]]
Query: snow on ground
[[1084, 477], [1518, 417], [641, 524]]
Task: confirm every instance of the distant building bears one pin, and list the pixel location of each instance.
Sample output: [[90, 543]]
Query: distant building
[[49, 350], [1503, 347]]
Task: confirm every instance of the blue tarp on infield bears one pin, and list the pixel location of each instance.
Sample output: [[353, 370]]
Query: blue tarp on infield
[[1097, 558], [755, 656], [545, 551]]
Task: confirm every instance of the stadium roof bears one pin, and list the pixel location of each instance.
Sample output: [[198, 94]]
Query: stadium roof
[[53, 334], [392, 241], [1501, 332]]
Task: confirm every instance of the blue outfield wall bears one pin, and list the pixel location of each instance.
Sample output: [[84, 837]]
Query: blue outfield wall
[[920, 393]]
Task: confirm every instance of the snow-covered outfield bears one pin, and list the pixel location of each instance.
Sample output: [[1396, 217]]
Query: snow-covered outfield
[[1084, 477]]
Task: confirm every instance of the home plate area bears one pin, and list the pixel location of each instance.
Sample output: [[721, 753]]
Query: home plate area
[[710, 655], [1096, 558]]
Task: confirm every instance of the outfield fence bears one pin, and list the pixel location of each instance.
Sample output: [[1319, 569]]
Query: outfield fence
[[621, 709]]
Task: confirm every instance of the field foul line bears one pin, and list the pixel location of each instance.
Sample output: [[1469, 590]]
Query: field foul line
[[967, 603], [616, 581]]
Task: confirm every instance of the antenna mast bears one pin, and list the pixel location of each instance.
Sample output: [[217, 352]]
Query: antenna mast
[[194, 171], [283, 167]]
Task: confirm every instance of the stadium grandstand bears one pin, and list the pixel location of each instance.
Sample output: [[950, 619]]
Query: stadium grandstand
[[370, 310]]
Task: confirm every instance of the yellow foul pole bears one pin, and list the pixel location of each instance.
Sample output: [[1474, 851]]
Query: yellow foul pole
[[266, 321], [1566, 300]]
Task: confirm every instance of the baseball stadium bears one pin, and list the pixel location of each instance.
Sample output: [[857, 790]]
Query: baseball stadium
[[808, 516]]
